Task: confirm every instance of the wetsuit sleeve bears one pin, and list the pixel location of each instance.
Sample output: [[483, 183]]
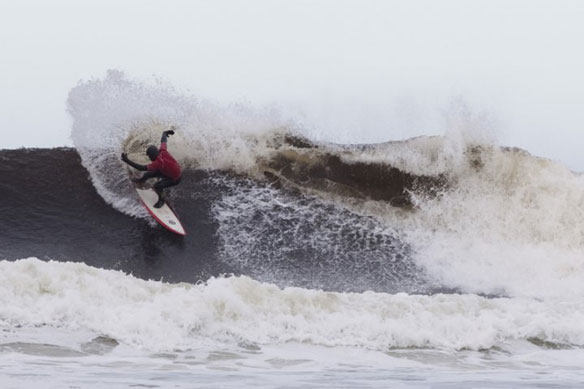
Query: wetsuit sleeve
[[136, 165], [162, 147]]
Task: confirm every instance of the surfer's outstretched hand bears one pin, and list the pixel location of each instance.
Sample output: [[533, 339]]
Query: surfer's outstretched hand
[[171, 131], [124, 157]]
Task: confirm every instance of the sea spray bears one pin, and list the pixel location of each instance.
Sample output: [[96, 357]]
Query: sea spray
[[116, 114]]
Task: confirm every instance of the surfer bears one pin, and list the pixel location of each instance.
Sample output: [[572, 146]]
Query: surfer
[[163, 166]]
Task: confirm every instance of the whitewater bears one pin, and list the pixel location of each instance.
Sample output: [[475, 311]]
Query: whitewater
[[436, 261]]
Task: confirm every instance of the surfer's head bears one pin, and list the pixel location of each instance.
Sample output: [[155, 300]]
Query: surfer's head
[[152, 152]]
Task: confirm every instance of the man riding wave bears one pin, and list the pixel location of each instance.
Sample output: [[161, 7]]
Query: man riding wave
[[163, 166]]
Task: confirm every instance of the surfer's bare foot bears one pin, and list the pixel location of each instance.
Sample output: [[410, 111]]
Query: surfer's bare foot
[[159, 204]]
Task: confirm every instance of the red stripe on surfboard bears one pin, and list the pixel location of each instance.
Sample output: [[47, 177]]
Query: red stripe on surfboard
[[163, 224]]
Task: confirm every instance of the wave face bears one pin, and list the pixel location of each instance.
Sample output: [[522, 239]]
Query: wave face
[[235, 226]]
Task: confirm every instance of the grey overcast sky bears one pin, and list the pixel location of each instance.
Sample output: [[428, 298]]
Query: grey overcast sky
[[359, 70]]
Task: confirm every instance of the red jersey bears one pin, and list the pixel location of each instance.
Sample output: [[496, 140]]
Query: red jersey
[[165, 164]]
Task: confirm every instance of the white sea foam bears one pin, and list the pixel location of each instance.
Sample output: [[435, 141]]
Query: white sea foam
[[506, 222], [513, 224], [161, 316]]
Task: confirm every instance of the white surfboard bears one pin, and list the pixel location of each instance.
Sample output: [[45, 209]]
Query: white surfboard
[[163, 215]]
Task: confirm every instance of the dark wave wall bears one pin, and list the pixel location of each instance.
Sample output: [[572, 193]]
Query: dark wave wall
[[51, 210]]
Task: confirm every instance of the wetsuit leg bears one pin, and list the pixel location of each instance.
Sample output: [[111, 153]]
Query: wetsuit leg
[[159, 187], [147, 176], [166, 182]]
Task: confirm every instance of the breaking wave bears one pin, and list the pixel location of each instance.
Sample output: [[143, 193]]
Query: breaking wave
[[446, 241]]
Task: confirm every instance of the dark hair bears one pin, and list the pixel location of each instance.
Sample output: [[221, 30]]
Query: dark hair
[[152, 152]]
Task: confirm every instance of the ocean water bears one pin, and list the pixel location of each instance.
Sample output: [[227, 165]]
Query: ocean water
[[444, 261]]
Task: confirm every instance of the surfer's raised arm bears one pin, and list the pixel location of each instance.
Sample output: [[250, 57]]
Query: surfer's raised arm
[[135, 165], [166, 134]]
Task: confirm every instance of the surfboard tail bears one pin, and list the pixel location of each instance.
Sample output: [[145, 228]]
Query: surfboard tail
[[164, 215]]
